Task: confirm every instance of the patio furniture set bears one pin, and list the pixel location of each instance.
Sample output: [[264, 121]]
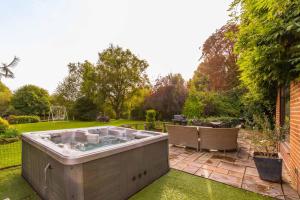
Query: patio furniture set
[[223, 139]]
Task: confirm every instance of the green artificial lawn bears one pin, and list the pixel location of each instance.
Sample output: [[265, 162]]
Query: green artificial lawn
[[13, 186], [173, 186], [177, 185]]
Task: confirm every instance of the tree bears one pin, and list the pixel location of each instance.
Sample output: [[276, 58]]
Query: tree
[[218, 71], [68, 91], [31, 100], [205, 104], [5, 99], [168, 96], [268, 47], [136, 104], [85, 109], [115, 78], [214, 89], [5, 70]]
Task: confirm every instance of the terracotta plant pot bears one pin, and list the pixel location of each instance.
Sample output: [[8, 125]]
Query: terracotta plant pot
[[269, 168]]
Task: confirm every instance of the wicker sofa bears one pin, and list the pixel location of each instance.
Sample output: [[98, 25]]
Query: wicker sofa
[[218, 138], [223, 139], [183, 135]]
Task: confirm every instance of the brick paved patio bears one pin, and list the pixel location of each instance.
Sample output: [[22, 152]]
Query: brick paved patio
[[232, 168]]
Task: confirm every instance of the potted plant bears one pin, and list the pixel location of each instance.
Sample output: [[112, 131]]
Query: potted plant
[[265, 156]]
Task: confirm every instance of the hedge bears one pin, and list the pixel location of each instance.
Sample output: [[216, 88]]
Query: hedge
[[226, 122], [23, 119]]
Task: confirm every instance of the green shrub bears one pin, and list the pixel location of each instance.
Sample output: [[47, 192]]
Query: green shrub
[[138, 113], [4, 125], [23, 119], [150, 118], [193, 107], [9, 133], [85, 109], [5, 98], [206, 104]]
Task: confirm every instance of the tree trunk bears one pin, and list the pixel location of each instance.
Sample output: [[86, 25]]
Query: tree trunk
[[117, 111], [117, 106], [118, 114]]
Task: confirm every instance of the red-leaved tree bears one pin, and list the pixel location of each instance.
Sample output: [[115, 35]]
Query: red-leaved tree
[[218, 70]]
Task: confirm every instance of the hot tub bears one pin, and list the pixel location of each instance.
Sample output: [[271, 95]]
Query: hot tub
[[93, 163]]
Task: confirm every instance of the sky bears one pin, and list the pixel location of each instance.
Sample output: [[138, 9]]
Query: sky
[[48, 34]]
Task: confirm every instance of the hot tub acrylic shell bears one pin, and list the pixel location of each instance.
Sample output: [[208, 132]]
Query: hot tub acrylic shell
[[114, 172]]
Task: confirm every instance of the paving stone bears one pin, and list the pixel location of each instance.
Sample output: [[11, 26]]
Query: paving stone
[[195, 164], [254, 183], [289, 192], [175, 148], [227, 179], [172, 156], [232, 167], [180, 166], [172, 151], [264, 189], [206, 155], [285, 175], [173, 163], [251, 171], [209, 167], [191, 169], [231, 157], [179, 149], [212, 162], [180, 157], [226, 158], [248, 179], [203, 158], [236, 174], [175, 152], [189, 150], [201, 161], [221, 170], [248, 162], [185, 154], [176, 160], [291, 198], [193, 157], [203, 172]]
